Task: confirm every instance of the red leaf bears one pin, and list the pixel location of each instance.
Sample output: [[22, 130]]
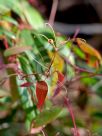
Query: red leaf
[[26, 84], [59, 83], [60, 77], [41, 92]]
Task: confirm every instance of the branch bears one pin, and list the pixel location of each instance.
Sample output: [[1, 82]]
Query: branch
[[53, 12], [81, 69]]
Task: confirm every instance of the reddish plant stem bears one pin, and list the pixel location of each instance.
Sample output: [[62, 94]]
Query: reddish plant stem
[[80, 69], [80, 77], [43, 132], [53, 12], [76, 32], [6, 43], [68, 104], [51, 63]]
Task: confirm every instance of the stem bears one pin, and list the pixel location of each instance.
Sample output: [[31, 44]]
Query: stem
[[38, 62], [76, 32], [48, 38], [43, 132], [68, 104], [53, 12], [6, 43], [86, 76], [43, 36], [80, 69], [33, 74], [55, 41], [47, 72]]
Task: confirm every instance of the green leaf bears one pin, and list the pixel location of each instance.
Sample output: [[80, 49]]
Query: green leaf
[[99, 91], [13, 5], [14, 129], [3, 9], [26, 37], [9, 34], [16, 50], [47, 116], [42, 51], [33, 17], [78, 52], [88, 81], [10, 20]]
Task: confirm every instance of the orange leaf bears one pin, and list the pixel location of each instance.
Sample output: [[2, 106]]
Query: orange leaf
[[88, 49], [92, 61], [41, 92]]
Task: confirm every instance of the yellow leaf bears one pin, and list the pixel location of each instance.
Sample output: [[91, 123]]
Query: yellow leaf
[[58, 63], [54, 80], [88, 49]]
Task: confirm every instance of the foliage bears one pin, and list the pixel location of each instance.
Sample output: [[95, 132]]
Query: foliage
[[39, 68]]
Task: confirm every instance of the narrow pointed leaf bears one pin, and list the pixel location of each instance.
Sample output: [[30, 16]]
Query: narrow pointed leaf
[[88, 49], [26, 84], [59, 83], [32, 16], [60, 77]]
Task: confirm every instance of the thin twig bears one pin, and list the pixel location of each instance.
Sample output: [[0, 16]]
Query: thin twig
[[53, 12], [76, 32], [50, 26], [6, 43], [43, 132], [85, 76], [38, 62], [47, 72], [80, 69], [68, 104]]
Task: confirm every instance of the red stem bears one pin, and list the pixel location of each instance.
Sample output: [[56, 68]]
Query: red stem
[[68, 104], [6, 43], [76, 32], [80, 69], [53, 12]]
